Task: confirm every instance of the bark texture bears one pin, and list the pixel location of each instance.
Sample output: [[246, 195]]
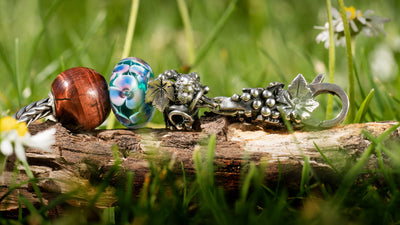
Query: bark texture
[[78, 159]]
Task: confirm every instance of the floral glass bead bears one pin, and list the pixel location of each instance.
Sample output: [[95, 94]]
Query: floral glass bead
[[128, 85]]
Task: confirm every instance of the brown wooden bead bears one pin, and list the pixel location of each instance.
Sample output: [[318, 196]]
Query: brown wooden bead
[[81, 98]]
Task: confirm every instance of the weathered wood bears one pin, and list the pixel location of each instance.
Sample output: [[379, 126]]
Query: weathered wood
[[79, 158]]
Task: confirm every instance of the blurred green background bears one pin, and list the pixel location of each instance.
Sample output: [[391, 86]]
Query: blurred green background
[[262, 41]]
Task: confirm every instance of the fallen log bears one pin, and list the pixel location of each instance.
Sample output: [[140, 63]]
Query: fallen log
[[78, 158]]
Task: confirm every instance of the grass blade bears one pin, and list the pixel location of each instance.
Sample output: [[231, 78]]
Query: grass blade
[[364, 107], [36, 41], [16, 77], [131, 28], [127, 45], [33, 181], [214, 33], [386, 174], [5, 59], [247, 182], [183, 10], [350, 66], [210, 158], [108, 216], [360, 86], [349, 178], [275, 64], [327, 160], [329, 107], [378, 93], [305, 175]]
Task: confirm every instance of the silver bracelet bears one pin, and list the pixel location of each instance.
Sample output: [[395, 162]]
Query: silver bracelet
[[180, 96]]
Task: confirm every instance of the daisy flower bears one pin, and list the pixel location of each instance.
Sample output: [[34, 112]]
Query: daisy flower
[[359, 22], [15, 135]]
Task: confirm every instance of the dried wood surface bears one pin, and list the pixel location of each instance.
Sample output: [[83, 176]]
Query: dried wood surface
[[78, 157]]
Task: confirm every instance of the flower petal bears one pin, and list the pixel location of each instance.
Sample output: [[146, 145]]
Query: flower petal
[[125, 82], [6, 147], [339, 27], [116, 97], [121, 68], [137, 99], [42, 140], [20, 151], [139, 70], [362, 20], [335, 13], [353, 26]]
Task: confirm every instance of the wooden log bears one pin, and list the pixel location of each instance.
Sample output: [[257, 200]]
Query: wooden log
[[78, 159]]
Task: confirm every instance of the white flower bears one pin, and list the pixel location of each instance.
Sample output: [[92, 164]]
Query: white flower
[[383, 63], [15, 135], [359, 22]]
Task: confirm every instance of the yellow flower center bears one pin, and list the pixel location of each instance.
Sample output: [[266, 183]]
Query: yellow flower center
[[353, 12], [8, 123]]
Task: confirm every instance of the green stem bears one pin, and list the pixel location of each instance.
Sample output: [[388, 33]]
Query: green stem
[[127, 45], [183, 9], [32, 178], [329, 107], [201, 53], [352, 109], [17, 73], [3, 161], [131, 28]]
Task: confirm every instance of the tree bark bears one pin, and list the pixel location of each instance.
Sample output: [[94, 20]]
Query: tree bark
[[77, 160]]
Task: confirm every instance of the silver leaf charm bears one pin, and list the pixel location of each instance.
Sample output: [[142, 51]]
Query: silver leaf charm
[[300, 103]]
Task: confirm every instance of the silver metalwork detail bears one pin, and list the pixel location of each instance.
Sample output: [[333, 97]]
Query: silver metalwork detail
[[270, 102], [235, 97], [180, 96], [266, 94], [245, 97], [254, 92], [257, 104], [36, 110], [265, 111]]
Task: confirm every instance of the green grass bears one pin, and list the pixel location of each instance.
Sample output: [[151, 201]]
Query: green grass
[[231, 44]]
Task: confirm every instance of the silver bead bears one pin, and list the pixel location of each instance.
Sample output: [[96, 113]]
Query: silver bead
[[270, 102], [248, 113], [265, 111], [275, 115], [235, 97], [254, 92], [266, 94], [257, 104], [245, 97], [206, 89]]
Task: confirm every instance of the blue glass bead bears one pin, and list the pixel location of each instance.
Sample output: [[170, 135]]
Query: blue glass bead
[[128, 85]]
